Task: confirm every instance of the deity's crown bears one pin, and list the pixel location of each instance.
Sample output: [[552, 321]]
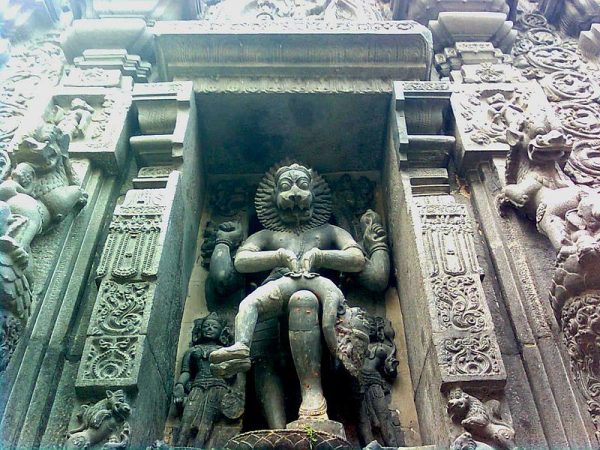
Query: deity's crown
[[294, 166]]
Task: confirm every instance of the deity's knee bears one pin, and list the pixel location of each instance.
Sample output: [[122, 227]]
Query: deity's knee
[[304, 311]]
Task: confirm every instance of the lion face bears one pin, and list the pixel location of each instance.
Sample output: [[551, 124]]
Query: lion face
[[458, 403], [293, 194], [44, 148], [117, 403]]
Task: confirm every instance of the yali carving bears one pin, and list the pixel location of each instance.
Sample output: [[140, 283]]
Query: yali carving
[[102, 422], [482, 421]]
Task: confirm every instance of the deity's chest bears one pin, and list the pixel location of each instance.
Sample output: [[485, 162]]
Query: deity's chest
[[300, 243]]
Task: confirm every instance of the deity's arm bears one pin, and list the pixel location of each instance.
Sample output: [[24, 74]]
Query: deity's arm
[[185, 375], [251, 257], [376, 272], [222, 274], [349, 257]]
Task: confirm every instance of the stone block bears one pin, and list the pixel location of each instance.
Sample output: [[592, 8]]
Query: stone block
[[394, 50], [474, 360], [455, 27], [129, 34], [110, 362], [480, 128], [122, 309]]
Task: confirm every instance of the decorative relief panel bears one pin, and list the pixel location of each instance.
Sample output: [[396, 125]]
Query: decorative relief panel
[[463, 331], [116, 337], [110, 362], [131, 247], [121, 308]]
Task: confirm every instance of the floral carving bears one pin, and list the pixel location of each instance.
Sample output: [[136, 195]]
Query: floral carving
[[470, 355], [568, 85], [460, 303], [543, 36], [109, 359], [579, 120], [120, 308], [529, 21], [581, 332], [552, 58], [583, 165]]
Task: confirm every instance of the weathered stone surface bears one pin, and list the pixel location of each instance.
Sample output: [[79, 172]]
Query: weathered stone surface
[[301, 48]]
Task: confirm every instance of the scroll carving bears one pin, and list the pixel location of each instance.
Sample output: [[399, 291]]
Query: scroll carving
[[464, 336]]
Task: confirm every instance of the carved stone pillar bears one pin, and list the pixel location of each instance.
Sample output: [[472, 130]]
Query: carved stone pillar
[[452, 335], [129, 344]]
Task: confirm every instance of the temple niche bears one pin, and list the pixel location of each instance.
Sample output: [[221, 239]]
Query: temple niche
[[310, 224]]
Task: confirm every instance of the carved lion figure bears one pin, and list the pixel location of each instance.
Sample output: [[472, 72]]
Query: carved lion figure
[[103, 421], [535, 182], [483, 421]]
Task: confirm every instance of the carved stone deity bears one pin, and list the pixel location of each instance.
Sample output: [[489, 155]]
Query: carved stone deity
[[379, 370], [209, 398], [15, 290], [293, 203], [364, 10]]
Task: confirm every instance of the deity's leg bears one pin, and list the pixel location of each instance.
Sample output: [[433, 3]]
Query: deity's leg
[[267, 379], [266, 301], [305, 344]]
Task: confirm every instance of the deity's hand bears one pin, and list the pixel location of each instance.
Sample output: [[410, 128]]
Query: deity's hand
[[230, 233], [178, 395], [288, 258], [312, 259], [374, 235]]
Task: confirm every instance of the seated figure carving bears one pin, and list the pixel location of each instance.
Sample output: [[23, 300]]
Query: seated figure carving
[[293, 203]]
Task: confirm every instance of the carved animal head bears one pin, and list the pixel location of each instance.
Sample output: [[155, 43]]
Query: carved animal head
[[459, 403], [542, 137], [44, 148], [464, 442], [292, 197], [293, 194], [116, 402]]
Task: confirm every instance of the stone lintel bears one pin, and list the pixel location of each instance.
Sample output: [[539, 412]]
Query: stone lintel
[[394, 50]]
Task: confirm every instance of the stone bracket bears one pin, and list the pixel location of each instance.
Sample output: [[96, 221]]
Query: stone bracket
[[418, 124], [164, 117]]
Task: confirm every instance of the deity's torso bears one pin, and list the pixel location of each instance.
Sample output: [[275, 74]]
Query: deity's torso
[[323, 237]]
